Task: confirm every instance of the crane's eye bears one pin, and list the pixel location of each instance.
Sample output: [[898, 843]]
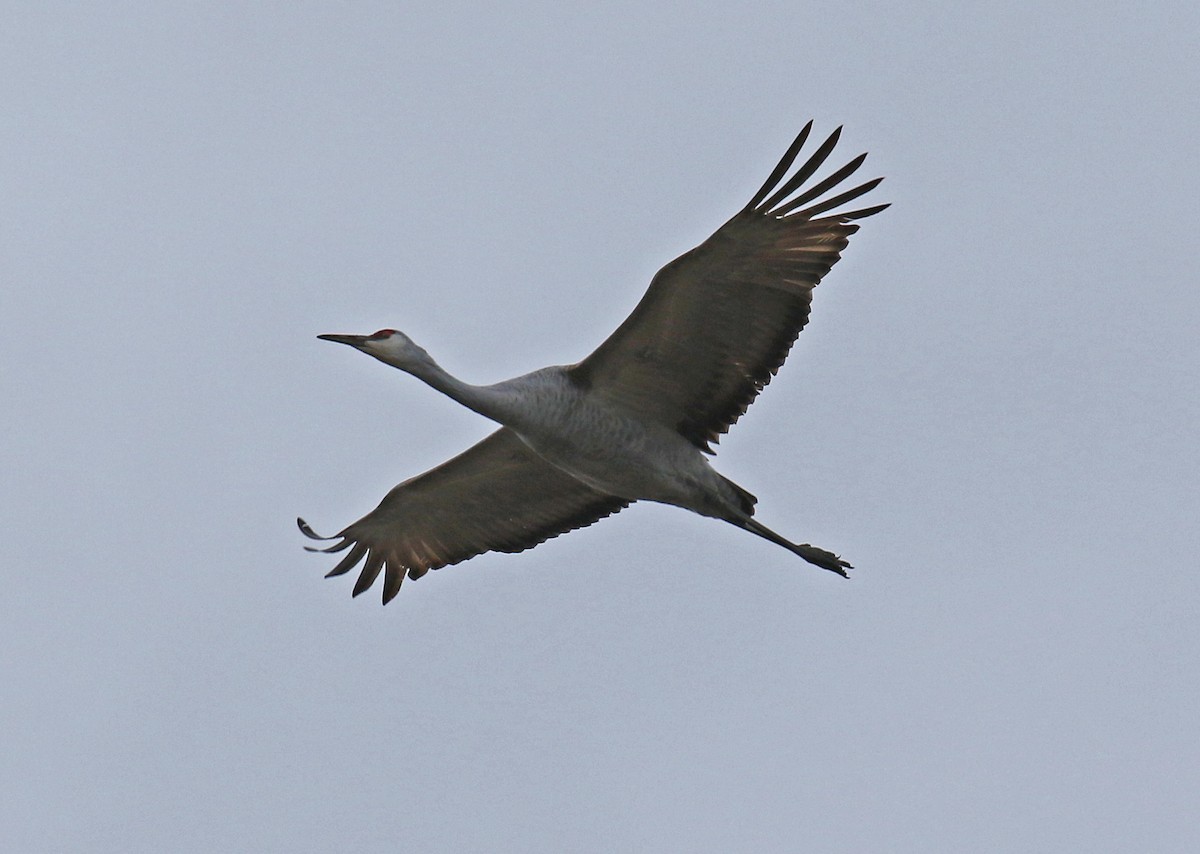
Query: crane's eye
[[382, 333]]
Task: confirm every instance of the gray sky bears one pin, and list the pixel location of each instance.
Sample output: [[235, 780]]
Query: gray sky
[[992, 414]]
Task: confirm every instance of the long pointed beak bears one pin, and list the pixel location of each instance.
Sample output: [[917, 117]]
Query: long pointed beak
[[353, 340]]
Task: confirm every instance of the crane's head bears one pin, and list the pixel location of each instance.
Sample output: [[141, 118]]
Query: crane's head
[[386, 345]]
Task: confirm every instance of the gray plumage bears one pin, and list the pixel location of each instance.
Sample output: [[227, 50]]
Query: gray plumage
[[636, 418]]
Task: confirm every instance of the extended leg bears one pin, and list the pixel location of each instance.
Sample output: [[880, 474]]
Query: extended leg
[[812, 554]]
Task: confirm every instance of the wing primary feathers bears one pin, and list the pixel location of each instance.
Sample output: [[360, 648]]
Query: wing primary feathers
[[785, 163], [370, 572], [334, 549], [309, 532], [865, 212], [313, 535], [818, 190], [840, 199], [347, 563], [393, 577], [805, 172]]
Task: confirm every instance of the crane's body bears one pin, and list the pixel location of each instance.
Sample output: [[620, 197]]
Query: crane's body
[[609, 449], [633, 421], [617, 453]]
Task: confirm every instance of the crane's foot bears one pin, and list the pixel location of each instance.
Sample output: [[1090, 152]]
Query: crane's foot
[[823, 559]]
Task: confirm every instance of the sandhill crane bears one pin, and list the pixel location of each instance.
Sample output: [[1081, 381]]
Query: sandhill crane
[[634, 420]]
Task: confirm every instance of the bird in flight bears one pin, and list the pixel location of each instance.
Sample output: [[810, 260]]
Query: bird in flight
[[635, 419]]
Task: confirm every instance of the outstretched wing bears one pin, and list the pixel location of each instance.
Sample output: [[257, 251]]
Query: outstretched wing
[[718, 321], [498, 495]]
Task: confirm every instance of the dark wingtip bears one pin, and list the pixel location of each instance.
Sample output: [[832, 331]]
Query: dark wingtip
[[309, 532], [865, 212], [801, 175], [393, 577], [780, 170]]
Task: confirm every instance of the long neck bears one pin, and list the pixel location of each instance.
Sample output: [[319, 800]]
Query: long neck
[[488, 401]]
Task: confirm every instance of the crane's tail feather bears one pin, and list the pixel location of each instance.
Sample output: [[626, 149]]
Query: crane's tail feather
[[744, 496]]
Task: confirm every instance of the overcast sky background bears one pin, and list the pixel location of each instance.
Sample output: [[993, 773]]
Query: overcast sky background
[[993, 414]]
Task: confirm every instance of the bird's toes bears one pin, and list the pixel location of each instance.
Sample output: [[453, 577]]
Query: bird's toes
[[825, 560]]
